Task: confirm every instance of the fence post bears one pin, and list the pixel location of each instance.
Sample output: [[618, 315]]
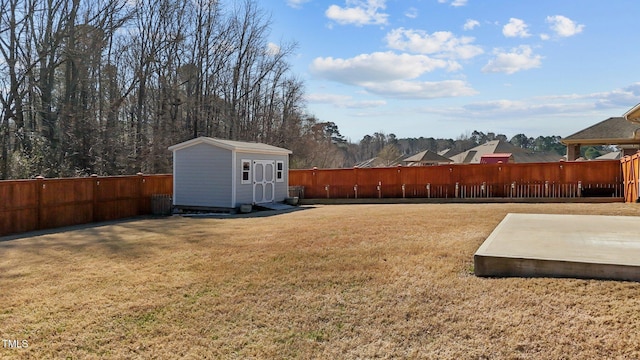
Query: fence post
[[546, 188], [428, 190], [96, 184], [314, 182], [579, 188], [39, 189], [140, 202], [355, 180]]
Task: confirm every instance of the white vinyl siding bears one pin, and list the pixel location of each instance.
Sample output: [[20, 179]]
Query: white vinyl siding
[[202, 176]]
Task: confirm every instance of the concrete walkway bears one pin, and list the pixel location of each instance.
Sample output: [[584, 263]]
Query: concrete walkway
[[579, 246]]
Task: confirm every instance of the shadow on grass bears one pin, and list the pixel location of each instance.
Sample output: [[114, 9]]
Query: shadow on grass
[[126, 238], [30, 234], [253, 214], [97, 237]]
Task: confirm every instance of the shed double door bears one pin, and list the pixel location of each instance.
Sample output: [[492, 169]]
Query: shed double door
[[264, 181]]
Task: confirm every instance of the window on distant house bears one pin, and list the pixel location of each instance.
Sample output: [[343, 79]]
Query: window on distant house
[[279, 171], [246, 172]]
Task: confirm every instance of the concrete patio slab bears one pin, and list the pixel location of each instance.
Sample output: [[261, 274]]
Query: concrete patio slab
[[577, 246]]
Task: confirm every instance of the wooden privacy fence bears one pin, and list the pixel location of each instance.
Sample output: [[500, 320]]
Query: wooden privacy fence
[[631, 173], [27, 205], [531, 180]]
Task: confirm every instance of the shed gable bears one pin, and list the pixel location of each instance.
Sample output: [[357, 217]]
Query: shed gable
[[202, 176]]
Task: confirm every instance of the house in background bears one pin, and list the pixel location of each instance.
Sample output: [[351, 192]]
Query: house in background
[[633, 115], [617, 131], [426, 158], [214, 173], [497, 158], [517, 155]]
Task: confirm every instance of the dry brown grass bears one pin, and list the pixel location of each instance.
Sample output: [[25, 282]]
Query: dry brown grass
[[352, 282]]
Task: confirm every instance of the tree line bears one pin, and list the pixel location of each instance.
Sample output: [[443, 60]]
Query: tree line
[[106, 86], [389, 148]]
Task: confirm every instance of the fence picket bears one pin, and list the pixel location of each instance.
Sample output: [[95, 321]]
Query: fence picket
[[538, 180], [27, 205]]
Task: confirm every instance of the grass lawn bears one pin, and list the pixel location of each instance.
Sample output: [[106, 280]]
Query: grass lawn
[[329, 282]]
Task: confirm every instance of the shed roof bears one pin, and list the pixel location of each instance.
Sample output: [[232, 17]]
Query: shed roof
[[238, 146], [614, 130]]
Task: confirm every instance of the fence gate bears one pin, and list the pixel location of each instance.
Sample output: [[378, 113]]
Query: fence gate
[[631, 172], [264, 185]]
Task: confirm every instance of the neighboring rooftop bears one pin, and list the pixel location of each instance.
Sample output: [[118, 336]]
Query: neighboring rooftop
[[614, 155], [426, 157], [520, 155], [612, 131], [497, 158]]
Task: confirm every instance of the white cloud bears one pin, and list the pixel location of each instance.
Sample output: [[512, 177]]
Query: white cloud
[[544, 37], [471, 24], [549, 115], [327, 98], [272, 49], [411, 13], [359, 13], [455, 3], [296, 4], [587, 107], [421, 90], [376, 67], [392, 75], [497, 105], [563, 26], [515, 28], [625, 97], [344, 101], [518, 59], [443, 43], [364, 104]]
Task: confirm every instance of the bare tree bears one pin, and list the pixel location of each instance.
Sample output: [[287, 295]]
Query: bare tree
[[102, 86]]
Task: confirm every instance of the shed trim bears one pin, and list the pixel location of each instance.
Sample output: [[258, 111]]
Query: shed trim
[[239, 146], [173, 171], [234, 169]]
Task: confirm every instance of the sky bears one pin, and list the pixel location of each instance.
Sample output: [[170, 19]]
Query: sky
[[444, 68]]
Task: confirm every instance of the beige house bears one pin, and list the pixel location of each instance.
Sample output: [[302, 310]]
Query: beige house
[[620, 131]]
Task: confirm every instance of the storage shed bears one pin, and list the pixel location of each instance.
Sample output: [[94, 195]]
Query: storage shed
[[215, 173]]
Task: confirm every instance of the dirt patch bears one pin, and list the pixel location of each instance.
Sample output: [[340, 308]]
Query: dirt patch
[[357, 281]]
